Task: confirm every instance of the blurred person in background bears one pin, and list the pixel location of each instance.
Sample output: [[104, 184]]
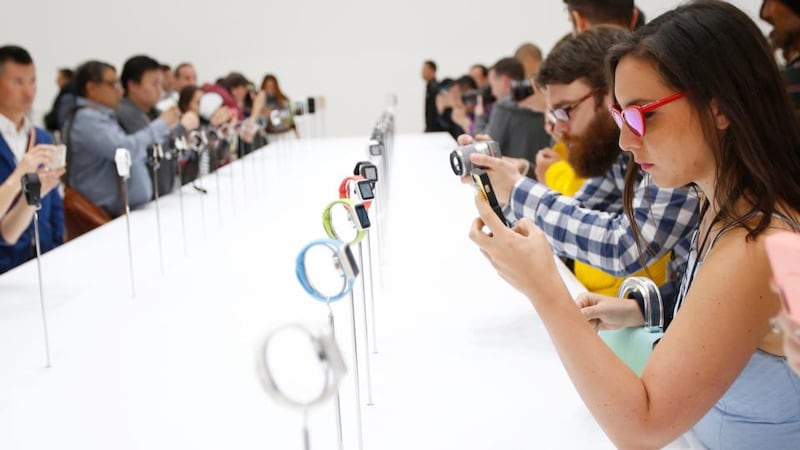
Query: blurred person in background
[[431, 91]]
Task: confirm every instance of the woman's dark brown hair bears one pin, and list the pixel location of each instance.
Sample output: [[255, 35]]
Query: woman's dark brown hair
[[715, 53], [279, 96], [185, 97]]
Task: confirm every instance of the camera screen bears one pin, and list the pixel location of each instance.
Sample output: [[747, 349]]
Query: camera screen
[[365, 190], [371, 173]]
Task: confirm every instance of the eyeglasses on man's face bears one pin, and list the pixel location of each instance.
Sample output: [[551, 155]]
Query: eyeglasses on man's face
[[562, 114]]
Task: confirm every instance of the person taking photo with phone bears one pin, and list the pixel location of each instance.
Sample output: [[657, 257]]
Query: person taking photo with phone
[[23, 149]]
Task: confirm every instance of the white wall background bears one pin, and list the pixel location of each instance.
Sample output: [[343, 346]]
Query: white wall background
[[354, 52]]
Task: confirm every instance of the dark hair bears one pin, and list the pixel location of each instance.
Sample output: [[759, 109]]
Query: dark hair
[[90, 72], [509, 67], [279, 95], [185, 97], [166, 68], [581, 56], [135, 67], [715, 53], [431, 64], [465, 83], [484, 70], [640, 19], [234, 80], [181, 66], [66, 73], [618, 12], [14, 54]]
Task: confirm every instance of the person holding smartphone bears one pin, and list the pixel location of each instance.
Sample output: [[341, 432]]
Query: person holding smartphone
[[691, 110], [23, 149]]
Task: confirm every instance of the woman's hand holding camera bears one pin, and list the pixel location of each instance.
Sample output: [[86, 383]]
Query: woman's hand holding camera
[[39, 155], [516, 253]]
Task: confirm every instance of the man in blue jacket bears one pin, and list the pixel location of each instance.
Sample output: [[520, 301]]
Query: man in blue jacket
[[18, 137]]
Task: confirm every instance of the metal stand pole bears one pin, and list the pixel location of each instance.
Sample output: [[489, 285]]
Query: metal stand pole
[[127, 210], [41, 285], [366, 327], [339, 432], [355, 373], [158, 214], [180, 199], [372, 295]]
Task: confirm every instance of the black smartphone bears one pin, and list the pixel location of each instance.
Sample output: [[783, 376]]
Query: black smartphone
[[482, 182]]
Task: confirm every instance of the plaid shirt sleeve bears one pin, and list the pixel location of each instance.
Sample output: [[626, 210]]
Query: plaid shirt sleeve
[[666, 219]]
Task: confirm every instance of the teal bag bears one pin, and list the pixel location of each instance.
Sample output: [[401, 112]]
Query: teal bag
[[634, 345]]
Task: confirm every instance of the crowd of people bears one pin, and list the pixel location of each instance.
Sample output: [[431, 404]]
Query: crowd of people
[[667, 150], [98, 110]]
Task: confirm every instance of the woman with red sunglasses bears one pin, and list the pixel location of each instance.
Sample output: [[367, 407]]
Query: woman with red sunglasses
[[699, 101]]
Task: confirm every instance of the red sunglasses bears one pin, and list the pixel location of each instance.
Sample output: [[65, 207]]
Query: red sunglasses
[[633, 116]]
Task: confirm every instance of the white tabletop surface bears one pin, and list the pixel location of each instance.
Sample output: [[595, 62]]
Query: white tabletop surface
[[463, 361]]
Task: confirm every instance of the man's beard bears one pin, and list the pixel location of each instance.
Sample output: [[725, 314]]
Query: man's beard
[[594, 152], [788, 42]]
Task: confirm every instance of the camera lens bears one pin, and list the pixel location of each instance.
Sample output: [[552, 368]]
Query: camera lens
[[456, 164]]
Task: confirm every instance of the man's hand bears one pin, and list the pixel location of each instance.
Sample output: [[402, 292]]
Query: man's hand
[[503, 174], [544, 159]]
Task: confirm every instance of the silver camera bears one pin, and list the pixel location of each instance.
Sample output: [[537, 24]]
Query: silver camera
[[459, 158]]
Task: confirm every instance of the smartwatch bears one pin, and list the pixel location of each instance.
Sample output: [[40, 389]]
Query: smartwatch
[[357, 214], [375, 148], [363, 189], [343, 261], [367, 170], [326, 350]]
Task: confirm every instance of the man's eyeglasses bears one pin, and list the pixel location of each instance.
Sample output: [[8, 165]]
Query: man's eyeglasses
[[562, 114], [634, 116]]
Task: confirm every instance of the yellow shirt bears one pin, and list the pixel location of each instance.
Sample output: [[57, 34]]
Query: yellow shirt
[[561, 177]]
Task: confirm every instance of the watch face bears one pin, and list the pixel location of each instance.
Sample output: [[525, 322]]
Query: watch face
[[370, 173], [365, 190], [375, 149], [363, 216]]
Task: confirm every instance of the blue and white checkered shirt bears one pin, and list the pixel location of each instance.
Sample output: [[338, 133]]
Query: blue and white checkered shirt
[[591, 227]]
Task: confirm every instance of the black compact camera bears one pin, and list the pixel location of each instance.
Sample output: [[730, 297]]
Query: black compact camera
[[32, 189], [520, 90]]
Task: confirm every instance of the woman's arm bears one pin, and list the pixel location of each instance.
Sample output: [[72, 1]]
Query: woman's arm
[[16, 221], [30, 162], [723, 321]]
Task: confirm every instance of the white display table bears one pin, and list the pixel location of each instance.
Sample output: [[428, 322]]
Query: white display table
[[463, 362]]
